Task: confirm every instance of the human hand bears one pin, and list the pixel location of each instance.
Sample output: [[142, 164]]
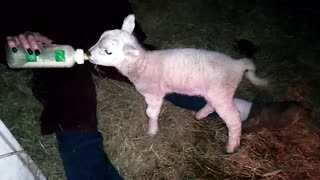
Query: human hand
[[30, 41]]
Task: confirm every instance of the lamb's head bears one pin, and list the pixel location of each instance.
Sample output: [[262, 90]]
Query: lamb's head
[[115, 46]]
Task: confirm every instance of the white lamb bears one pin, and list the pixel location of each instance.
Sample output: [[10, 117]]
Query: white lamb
[[196, 72]]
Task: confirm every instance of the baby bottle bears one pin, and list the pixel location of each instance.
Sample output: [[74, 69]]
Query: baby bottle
[[56, 56]]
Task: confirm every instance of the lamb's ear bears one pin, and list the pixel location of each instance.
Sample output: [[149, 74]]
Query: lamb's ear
[[130, 50], [128, 23]]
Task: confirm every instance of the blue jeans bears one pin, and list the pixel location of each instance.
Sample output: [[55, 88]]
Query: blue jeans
[[84, 157], [193, 103]]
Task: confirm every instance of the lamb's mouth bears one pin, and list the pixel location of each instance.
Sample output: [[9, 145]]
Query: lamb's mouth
[[91, 59]]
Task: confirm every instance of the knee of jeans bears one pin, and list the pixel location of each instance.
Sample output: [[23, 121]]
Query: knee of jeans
[[194, 103], [79, 141]]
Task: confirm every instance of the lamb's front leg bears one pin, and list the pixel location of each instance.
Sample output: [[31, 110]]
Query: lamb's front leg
[[154, 105]]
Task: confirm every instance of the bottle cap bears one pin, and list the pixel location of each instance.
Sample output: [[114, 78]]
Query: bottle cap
[[79, 56]]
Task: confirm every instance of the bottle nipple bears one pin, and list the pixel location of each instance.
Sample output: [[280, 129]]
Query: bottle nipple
[[85, 56]]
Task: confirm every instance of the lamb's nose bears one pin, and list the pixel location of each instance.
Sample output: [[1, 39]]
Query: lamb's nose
[[88, 53]]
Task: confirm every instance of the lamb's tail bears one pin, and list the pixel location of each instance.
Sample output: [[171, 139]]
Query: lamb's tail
[[249, 73]]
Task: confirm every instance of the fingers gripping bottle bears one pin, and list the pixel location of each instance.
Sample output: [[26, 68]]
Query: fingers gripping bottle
[[56, 56]]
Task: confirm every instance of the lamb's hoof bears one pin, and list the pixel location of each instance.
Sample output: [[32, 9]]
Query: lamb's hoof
[[231, 148], [199, 116], [152, 132]]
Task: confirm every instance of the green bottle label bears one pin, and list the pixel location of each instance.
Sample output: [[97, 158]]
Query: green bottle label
[[60, 56], [31, 57]]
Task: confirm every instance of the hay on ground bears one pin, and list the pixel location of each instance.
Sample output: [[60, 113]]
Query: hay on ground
[[186, 148]]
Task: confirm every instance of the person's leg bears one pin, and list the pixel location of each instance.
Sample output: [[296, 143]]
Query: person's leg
[[243, 107], [193, 103], [273, 115], [84, 157], [254, 115]]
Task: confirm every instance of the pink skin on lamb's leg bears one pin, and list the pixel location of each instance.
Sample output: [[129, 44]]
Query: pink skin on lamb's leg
[[205, 111], [153, 110], [231, 116]]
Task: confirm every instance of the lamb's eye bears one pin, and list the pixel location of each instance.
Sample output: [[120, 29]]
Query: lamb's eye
[[109, 53]]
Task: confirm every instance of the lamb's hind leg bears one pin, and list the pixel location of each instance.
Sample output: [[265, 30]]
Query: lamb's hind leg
[[205, 111], [154, 105], [231, 116]]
